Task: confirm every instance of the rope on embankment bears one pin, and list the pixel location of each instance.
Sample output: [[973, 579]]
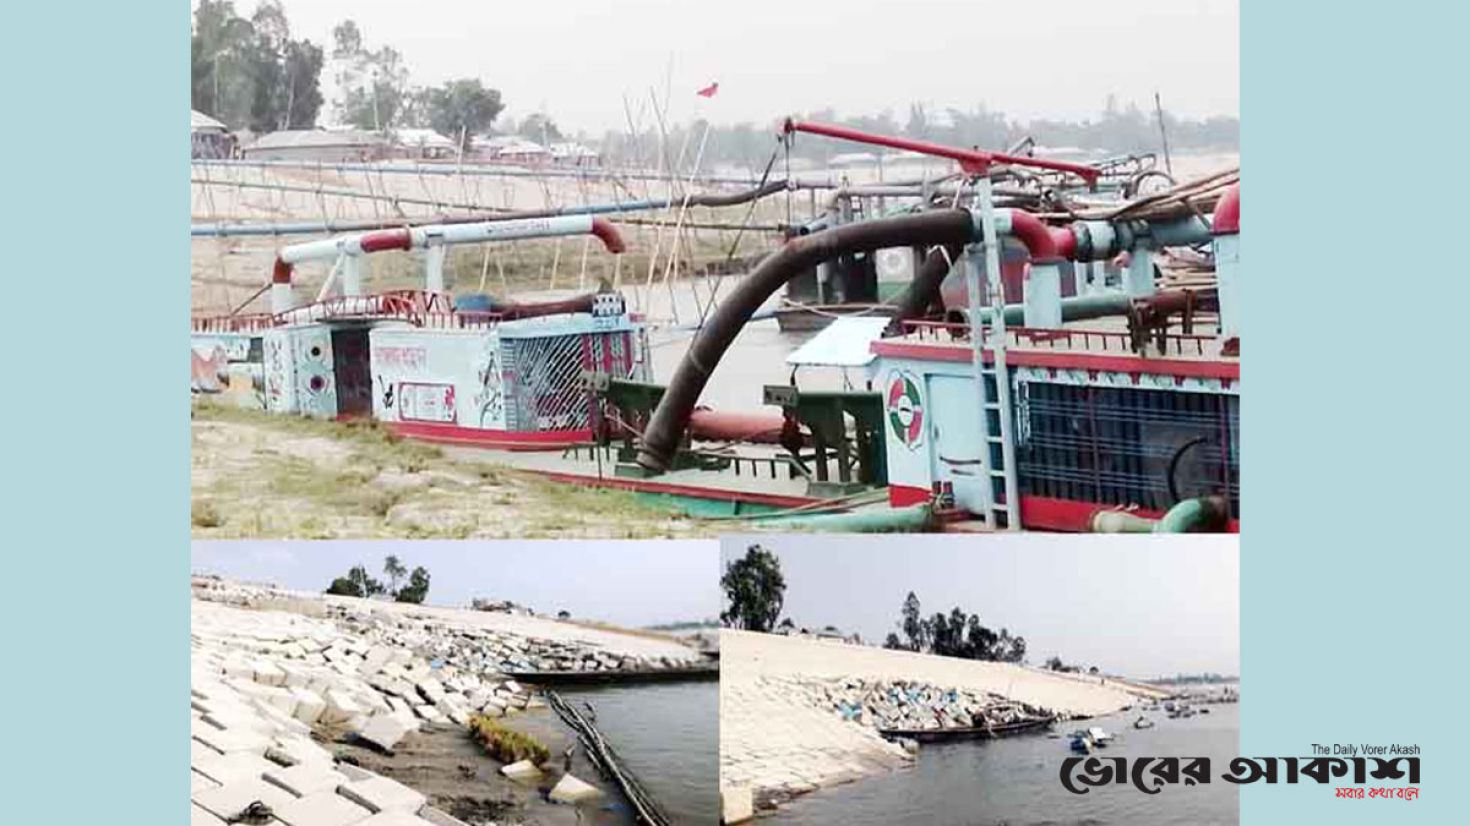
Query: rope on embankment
[[645, 808]]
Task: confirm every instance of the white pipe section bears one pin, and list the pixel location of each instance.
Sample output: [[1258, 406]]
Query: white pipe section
[[500, 230], [429, 235]]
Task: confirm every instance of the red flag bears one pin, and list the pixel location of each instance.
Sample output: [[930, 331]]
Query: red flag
[[708, 91]]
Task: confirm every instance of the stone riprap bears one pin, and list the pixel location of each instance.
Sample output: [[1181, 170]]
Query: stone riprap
[[797, 714], [909, 705], [268, 668], [259, 681], [477, 641]]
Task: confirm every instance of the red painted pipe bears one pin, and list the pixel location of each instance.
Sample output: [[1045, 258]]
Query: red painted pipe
[[1046, 244], [388, 239], [281, 272], [724, 426], [609, 235], [511, 310], [1227, 213], [971, 160]]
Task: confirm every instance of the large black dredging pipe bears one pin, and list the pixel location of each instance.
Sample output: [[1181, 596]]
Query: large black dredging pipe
[[665, 428]]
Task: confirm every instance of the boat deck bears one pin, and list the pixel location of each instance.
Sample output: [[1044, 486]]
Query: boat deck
[[757, 476]]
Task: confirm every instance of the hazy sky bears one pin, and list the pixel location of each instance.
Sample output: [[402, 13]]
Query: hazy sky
[[628, 583], [578, 58], [1137, 605]]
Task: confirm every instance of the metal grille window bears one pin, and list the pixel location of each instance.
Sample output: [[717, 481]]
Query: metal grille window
[[543, 377], [1123, 446]]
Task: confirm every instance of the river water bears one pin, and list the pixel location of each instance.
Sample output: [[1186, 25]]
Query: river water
[[1015, 782], [668, 735]]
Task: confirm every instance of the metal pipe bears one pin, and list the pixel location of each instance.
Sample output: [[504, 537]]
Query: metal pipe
[[762, 427], [511, 310], [974, 161], [1202, 514], [303, 228], [505, 172], [406, 238], [883, 520], [1226, 220], [431, 236], [671, 417]]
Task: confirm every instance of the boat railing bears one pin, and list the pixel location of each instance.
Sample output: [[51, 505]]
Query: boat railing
[[1107, 341], [420, 308], [252, 323]]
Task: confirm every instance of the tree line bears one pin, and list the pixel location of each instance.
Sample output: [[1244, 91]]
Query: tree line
[[956, 634], [358, 583], [1118, 129], [249, 73], [755, 595]]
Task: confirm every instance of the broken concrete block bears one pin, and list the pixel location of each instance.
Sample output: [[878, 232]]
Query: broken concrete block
[[354, 773], [453, 707], [430, 689], [430, 714], [309, 705], [438, 818], [304, 779], [228, 768], [381, 794], [228, 801], [737, 804], [199, 782], [385, 730], [321, 809], [524, 770], [266, 672], [292, 750], [395, 819], [233, 740], [376, 657], [340, 707], [571, 790]]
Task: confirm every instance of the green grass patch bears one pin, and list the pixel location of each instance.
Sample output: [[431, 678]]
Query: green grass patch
[[505, 744]]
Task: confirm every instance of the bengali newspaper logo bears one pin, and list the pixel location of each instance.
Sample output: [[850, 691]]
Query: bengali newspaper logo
[[1385, 778]]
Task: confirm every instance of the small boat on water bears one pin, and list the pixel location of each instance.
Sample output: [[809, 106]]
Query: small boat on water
[[1100, 737], [969, 733], [1143, 722]]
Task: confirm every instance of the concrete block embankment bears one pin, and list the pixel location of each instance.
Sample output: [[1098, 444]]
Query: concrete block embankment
[[799, 714]]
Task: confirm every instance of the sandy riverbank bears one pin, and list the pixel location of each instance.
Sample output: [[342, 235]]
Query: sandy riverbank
[[262, 476], [775, 744]]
